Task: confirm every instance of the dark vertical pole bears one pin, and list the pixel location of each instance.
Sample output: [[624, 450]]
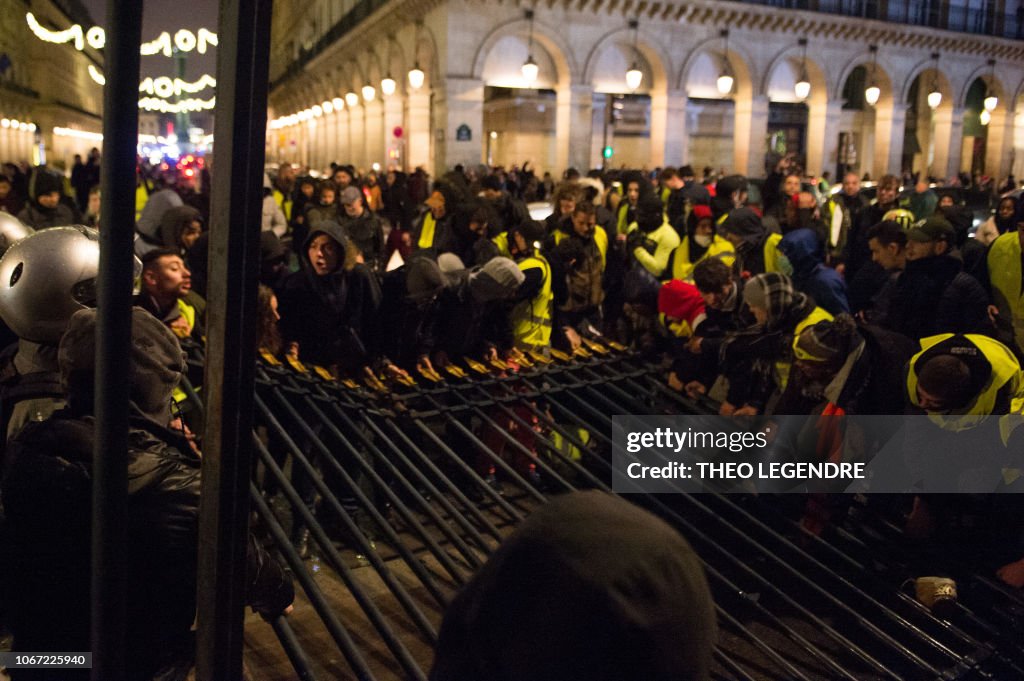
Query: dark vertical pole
[[114, 327], [236, 210]]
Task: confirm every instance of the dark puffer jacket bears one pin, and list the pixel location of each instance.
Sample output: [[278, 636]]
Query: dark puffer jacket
[[332, 317], [47, 499], [934, 295]]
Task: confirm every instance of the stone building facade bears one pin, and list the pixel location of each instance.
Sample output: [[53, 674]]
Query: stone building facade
[[330, 56], [51, 106]]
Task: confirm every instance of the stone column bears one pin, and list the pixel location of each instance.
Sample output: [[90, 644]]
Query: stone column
[[341, 147], [750, 134], [330, 125], [668, 128], [598, 112], [890, 129], [823, 120], [999, 145], [357, 135], [375, 152], [949, 133], [393, 118], [419, 135], [460, 103], [573, 120]]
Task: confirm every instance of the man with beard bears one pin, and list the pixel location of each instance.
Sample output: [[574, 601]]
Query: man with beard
[[167, 294]]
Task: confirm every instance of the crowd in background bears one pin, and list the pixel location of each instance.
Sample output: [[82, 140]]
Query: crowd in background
[[779, 295]]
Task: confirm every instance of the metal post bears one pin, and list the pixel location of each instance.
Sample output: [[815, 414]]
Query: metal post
[[113, 342], [237, 196]]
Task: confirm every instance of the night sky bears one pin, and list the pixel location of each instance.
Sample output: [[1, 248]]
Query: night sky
[[170, 15]]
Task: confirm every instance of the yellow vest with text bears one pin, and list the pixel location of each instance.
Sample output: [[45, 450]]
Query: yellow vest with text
[[1006, 373], [531, 319]]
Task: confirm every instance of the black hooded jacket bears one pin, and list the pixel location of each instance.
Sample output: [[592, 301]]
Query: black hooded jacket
[[47, 500], [331, 317]]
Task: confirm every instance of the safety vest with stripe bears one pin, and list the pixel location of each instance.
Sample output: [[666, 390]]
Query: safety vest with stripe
[[1005, 376], [682, 268], [1004, 271], [531, 319]]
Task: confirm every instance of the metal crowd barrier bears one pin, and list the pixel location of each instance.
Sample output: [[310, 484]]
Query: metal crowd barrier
[[419, 480]]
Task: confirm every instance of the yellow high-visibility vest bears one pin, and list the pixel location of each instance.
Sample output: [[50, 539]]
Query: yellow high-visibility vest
[[531, 319]]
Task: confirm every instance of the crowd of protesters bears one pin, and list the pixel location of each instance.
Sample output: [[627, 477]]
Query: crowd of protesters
[[804, 302]]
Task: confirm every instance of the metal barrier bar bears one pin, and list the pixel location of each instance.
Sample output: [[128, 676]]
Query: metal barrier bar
[[367, 504], [333, 558], [316, 597], [243, 62], [113, 343], [397, 474], [293, 649], [399, 592], [411, 520]]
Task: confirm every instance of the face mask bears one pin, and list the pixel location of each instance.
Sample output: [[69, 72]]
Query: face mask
[[785, 267], [703, 240]]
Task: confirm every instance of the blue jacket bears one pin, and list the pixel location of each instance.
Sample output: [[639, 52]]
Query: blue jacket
[[803, 250]]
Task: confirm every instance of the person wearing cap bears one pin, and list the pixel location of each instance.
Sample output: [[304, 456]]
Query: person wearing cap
[[329, 307], [757, 249], [699, 242], [757, 361], [531, 316], [934, 294], [363, 228], [624, 597], [843, 367], [47, 209], [47, 491]]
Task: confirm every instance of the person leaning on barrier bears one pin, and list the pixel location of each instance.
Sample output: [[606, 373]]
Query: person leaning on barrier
[[48, 277], [329, 306], [47, 501], [623, 597], [757, 250], [757, 360], [972, 388], [532, 311], [167, 294]]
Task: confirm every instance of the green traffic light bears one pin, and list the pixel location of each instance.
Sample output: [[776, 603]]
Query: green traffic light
[[607, 153]]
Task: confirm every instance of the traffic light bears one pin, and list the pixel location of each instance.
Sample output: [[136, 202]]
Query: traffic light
[[607, 152]]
